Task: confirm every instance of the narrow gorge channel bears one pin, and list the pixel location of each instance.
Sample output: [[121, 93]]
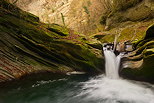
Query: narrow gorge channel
[[81, 88], [76, 51]]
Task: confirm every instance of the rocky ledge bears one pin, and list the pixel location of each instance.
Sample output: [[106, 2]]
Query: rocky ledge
[[139, 65]]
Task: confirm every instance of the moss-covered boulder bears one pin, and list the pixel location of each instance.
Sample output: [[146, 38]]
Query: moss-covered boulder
[[27, 46]]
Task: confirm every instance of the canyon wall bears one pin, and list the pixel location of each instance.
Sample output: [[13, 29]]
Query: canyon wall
[[30, 46], [89, 16], [80, 15]]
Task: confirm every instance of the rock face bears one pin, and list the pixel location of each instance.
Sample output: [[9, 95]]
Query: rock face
[[27, 46], [84, 15], [132, 10], [35, 46], [80, 15], [140, 64]]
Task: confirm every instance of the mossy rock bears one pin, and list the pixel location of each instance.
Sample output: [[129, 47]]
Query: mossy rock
[[149, 52], [124, 11], [115, 19], [143, 46], [139, 13], [148, 36], [96, 45], [145, 73], [61, 30], [144, 49], [122, 5], [17, 12], [27, 46], [99, 36], [108, 38]]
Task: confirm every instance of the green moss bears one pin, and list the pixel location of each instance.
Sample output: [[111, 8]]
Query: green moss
[[62, 31], [148, 52], [99, 36], [10, 9], [21, 27], [96, 45], [146, 45], [86, 9], [126, 34], [108, 38]]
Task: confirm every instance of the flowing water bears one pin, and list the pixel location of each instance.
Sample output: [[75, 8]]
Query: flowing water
[[78, 89], [109, 88], [112, 63]]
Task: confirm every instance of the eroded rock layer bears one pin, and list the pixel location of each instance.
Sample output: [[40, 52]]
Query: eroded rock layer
[[27, 46]]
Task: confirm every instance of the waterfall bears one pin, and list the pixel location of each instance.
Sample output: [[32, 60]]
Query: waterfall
[[112, 63]]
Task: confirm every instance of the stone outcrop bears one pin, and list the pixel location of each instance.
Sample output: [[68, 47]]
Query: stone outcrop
[[55, 45], [28, 46], [139, 64], [142, 10], [85, 16]]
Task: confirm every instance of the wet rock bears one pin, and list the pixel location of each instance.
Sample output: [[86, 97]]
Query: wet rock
[[139, 64]]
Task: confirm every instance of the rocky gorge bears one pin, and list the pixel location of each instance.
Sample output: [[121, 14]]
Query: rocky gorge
[[70, 35]]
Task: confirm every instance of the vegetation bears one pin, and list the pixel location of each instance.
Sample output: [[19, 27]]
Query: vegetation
[[86, 9], [63, 19]]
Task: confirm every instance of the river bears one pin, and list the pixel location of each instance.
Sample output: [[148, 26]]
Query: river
[[77, 89]]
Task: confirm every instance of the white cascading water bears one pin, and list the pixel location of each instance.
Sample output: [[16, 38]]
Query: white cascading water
[[113, 89], [105, 90], [112, 63]]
